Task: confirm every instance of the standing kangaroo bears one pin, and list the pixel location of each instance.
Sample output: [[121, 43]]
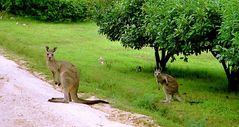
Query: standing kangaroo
[[169, 84], [65, 74]]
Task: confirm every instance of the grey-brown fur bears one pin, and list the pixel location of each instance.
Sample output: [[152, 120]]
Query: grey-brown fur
[[65, 74], [169, 85]]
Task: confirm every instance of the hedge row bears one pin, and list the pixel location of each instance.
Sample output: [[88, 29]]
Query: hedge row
[[48, 10]]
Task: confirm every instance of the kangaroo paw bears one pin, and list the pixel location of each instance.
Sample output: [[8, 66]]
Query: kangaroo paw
[[58, 100]]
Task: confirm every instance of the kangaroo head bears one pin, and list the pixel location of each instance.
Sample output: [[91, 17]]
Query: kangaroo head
[[50, 53], [157, 72]]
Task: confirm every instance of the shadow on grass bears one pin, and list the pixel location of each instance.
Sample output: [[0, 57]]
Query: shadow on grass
[[190, 73], [211, 80], [196, 73]]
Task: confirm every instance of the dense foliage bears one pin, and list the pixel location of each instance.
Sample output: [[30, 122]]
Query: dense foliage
[[124, 21], [47, 10], [227, 49], [172, 26], [179, 26]]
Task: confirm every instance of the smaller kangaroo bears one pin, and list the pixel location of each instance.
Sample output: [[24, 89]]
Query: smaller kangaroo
[[169, 85], [65, 74]]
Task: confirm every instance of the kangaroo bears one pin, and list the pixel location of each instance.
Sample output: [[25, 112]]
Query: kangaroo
[[65, 74], [52, 65], [169, 85]]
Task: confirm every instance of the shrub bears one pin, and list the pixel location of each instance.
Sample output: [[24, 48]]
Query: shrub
[[47, 10]]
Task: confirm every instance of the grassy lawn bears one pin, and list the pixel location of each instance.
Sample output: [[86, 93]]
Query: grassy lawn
[[202, 78]]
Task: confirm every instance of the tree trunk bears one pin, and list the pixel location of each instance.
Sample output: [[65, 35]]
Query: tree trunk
[[165, 57], [161, 63], [232, 77], [157, 59], [233, 82]]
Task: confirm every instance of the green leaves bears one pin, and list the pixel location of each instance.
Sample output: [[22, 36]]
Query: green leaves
[[181, 26], [177, 26], [48, 10], [228, 46], [123, 22]]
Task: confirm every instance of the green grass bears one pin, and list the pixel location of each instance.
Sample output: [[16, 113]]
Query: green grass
[[202, 78]]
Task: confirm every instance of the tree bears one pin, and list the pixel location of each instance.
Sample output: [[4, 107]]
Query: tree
[[179, 26], [123, 21], [227, 50], [194, 26], [171, 26]]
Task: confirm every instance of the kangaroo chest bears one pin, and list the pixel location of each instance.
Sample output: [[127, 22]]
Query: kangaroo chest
[[53, 66], [161, 79]]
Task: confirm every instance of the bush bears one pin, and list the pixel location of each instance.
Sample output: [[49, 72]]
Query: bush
[[96, 7], [47, 10]]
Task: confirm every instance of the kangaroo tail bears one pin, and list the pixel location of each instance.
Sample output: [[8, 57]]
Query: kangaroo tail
[[91, 102]]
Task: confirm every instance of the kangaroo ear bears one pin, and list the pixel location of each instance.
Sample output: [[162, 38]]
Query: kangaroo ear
[[47, 48], [160, 68], [54, 49]]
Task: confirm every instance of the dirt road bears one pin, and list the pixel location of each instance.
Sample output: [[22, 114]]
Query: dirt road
[[23, 103]]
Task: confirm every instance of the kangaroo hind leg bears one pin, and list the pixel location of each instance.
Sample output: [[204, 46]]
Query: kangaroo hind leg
[[66, 99], [178, 97], [168, 97]]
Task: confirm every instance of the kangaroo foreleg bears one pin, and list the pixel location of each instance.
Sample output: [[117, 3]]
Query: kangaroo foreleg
[[56, 78]]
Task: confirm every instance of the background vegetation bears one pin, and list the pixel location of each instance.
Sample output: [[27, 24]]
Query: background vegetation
[[48, 10]]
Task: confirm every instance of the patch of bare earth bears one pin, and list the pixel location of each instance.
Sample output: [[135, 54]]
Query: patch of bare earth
[[135, 119]]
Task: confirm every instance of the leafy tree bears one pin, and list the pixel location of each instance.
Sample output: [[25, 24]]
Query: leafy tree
[[178, 27], [191, 27], [227, 50], [123, 21], [171, 26], [182, 26]]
